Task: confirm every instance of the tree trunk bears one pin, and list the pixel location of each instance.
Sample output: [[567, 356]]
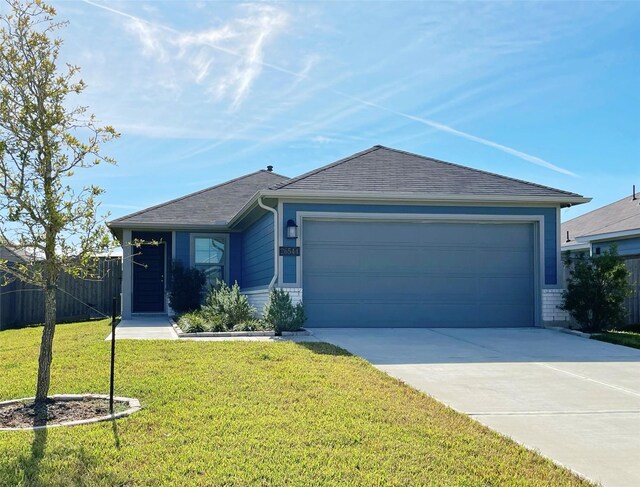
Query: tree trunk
[[46, 350]]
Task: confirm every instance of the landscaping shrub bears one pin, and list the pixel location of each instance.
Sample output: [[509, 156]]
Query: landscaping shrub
[[197, 322], [186, 284], [229, 304], [251, 325], [192, 322], [280, 314], [596, 290]]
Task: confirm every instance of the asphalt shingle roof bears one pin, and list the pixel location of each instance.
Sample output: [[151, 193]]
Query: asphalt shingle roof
[[209, 206], [621, 216], [381, 169], [377, 170]]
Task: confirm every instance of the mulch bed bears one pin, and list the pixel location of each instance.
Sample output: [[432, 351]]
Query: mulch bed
[[22, 414]]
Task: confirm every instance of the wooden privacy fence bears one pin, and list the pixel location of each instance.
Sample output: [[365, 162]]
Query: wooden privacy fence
[[632, 303], [78, 299]]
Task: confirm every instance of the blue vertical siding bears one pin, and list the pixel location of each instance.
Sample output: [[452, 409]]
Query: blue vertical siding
[[257, 253], [235, 258], [183, 248], [549, 214]]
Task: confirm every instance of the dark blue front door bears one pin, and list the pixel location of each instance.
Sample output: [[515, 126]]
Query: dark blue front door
[[148, 279]]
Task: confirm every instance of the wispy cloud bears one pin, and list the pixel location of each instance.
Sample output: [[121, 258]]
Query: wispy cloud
[[229, 59], [196, 54], [459, 133]]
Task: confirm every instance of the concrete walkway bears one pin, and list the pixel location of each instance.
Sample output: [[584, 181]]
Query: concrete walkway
[[145, 327], [575, 400]]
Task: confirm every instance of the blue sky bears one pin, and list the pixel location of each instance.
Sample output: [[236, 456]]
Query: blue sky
[[206, 91]]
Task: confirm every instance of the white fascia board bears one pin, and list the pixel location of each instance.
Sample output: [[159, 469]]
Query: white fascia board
[[596, 237], [575, 246], [169, 227], [399, 196]]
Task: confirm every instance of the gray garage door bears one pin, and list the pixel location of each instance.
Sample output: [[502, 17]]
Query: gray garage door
[[401, 274]]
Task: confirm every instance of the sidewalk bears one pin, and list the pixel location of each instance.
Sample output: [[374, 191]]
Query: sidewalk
[[151, 327]]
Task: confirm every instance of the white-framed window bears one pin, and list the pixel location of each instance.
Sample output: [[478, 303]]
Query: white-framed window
[[209, 255]]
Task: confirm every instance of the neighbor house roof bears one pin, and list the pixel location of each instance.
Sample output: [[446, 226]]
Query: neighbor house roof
[[11, 254], [209, 207], [15, 253], [384, 170], [617, 219]]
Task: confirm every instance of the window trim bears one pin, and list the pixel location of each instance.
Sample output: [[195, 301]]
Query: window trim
[[222, 236]]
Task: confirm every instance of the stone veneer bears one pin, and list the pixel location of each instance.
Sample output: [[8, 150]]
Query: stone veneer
[[551, 302]]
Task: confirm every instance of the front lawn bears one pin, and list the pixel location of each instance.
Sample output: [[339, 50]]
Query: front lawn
[[628, 337], [247, 413]]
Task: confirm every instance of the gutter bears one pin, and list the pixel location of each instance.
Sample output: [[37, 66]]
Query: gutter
[[422, 197], [274, 279]]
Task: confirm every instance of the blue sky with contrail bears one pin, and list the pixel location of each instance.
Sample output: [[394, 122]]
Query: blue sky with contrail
[[206, 91]]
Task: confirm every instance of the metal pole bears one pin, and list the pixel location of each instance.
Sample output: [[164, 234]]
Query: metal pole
[[113, 352]]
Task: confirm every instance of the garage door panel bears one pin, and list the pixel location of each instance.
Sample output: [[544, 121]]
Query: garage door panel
[[379, 258], [505, 289], [490, 315], [510, 235], [332, 258], [437, 233], [408, 274], [356, 287], [503, 262]]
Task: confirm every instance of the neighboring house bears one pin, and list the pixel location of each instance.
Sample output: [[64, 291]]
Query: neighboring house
[[11, 254], [593, 232], [383, 238], [615, 224]]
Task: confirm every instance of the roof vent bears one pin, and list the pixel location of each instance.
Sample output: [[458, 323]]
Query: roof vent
[[568, 239], [634, 193], [270, 169]]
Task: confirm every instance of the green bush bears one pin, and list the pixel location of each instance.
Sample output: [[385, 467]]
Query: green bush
[[596, 290], [186, 285], [197, 322], [192, 322], [280, 314], [251, 325], [229, 304]]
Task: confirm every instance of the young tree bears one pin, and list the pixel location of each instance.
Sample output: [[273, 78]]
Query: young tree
[[43, 140], [596, 290]]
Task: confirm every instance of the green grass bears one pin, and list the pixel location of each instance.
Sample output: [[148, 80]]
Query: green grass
[[629, 337], [247, 413]]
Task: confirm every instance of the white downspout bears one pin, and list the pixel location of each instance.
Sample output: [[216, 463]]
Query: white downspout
[[275, 241]]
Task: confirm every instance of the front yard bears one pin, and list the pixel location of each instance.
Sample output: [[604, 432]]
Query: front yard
[[628, 336], [248, 413]]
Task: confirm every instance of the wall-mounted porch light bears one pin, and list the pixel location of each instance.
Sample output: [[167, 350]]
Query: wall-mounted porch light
[[292, 229]]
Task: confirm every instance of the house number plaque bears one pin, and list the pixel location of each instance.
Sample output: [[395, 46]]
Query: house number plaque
[[295, 251]]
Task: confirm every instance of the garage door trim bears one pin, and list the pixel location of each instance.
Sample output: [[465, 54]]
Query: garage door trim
[[536, 220]]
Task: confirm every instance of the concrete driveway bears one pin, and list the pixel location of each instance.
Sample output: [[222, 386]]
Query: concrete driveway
[[576, 401]]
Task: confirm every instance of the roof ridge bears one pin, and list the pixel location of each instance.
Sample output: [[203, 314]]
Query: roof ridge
[[195, 193], [324, 168], [476, 170]]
